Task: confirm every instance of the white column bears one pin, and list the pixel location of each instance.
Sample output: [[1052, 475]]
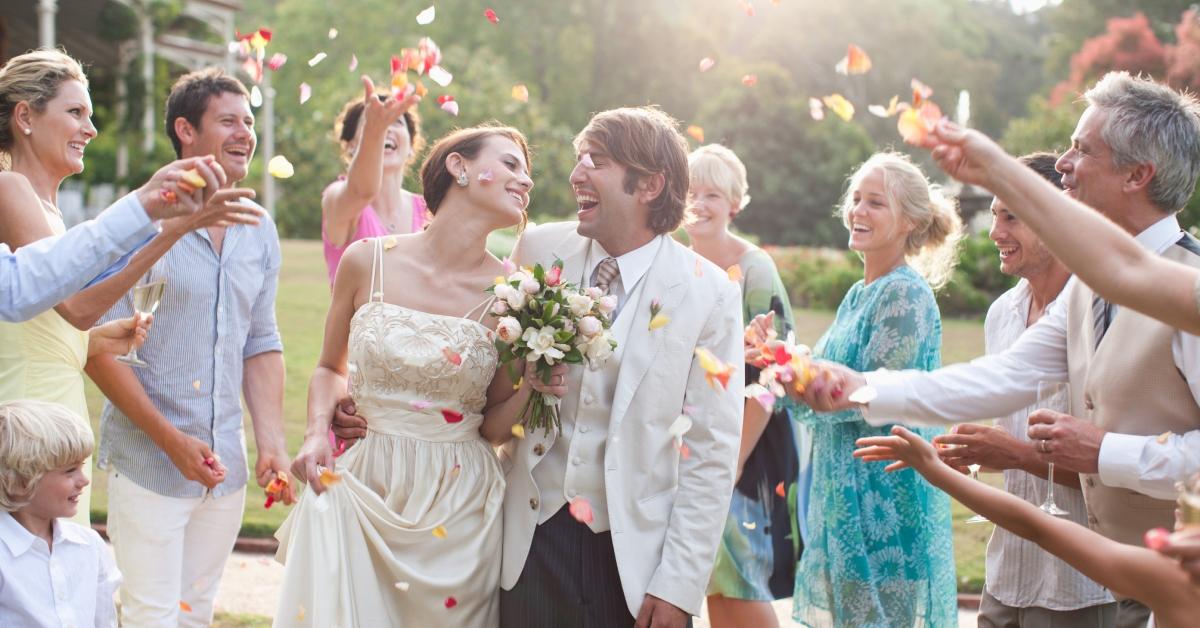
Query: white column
[[147, 36], [268, 141], [47, 10]]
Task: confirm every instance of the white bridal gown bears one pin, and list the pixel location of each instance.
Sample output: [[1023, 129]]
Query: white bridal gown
[[411, 534]]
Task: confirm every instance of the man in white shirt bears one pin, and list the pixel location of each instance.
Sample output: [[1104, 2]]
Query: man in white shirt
[[1134, 157], [1026, 586], [39, 275]]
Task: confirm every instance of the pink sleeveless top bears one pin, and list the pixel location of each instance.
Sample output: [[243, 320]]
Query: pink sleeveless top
[[370, 226]]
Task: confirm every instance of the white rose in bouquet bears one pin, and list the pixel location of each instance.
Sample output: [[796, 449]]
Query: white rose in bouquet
[[607, 303], [598, 350], [580, 304], [594, 292], [529, 285], [499, 307], [590, 326], [542, 346], [508, 328], [515, 298]]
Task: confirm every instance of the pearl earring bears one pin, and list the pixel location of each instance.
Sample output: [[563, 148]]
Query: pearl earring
[[28, 131], [462, 178]]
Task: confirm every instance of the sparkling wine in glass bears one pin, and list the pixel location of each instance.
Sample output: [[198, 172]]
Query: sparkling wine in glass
[[1189, 502], [146, 296], [1053, 396]]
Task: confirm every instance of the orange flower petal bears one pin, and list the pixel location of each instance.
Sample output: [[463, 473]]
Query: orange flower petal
[[440, 532], [185, 607], [734, 272], [520, 93], [696, 132], [780, 491], [329, 478], [856, 61], [452, 356], [841, 107]]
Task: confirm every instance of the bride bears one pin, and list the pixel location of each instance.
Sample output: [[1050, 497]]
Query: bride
[[404, 528]]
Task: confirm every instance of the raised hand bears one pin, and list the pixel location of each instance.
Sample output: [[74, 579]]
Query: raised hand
[[903, 449], [223, 208], [965, 154], [378, 114], [166, 195]]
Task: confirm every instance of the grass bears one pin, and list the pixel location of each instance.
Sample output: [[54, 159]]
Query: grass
[[302, 301], [240, 620]]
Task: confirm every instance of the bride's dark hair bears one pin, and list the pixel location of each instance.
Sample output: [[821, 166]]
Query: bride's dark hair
[[436, 179]]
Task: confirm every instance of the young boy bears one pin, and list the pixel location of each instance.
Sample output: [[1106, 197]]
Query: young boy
[[53, 572]]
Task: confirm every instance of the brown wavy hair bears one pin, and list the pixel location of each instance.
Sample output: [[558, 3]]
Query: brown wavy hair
[[646, 141], [436, 178]]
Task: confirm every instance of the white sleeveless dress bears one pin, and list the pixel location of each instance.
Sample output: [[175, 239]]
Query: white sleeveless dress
[[411, 534]]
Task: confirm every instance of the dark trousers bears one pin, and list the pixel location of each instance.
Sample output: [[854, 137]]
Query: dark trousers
[[570, 579], [1132, 614]]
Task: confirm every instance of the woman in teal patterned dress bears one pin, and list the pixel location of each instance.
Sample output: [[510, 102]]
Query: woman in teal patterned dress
[[756, 559], [879, 549]]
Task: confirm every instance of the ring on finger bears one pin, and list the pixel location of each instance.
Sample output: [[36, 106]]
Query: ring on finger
[[1044, 446]]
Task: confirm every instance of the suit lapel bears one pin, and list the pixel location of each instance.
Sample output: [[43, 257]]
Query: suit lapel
[[665, 281], [573, 253]]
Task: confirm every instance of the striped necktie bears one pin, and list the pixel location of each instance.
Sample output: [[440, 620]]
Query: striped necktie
[[606, 273], [1101, 317]]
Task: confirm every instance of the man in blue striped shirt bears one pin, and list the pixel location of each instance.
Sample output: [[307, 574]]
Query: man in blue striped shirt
[[171, 435]]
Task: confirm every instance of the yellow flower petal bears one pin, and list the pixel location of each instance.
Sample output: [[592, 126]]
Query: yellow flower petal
[[280, 167], [659, 321], [518, 430], [440, 532]]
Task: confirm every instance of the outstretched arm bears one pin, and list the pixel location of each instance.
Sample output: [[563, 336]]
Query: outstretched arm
[[1132, 571], [1125, 273]]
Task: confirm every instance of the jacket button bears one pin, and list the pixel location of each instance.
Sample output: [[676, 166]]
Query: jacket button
[[1087, 402], [1091, 483], [539, 449], [533, 503]]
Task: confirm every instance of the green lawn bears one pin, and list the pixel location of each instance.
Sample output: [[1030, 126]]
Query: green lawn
[[301, 305]]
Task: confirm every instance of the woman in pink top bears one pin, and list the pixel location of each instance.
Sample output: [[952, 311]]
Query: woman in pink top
[[380, 137]]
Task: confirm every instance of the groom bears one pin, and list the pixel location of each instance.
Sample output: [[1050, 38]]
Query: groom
[[658, 503]]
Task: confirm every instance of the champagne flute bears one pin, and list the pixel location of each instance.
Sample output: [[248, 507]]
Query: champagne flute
[[976, 518], [1189, 502], [146, 295], [1053, 396]]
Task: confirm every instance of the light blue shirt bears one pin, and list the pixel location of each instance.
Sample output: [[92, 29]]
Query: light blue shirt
[[43, 273], [216, 312]]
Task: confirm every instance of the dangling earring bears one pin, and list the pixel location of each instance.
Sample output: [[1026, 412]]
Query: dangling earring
[[462, 178]]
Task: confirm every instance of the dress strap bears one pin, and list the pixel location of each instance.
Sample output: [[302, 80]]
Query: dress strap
[[377, 269], [483, 308]]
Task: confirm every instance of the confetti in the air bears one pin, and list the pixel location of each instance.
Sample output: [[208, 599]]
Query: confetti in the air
[[280, 168], [780, 491], [491, 16], [425, 18], [305, 92], [448, 104], [586, 160], [329, 478], [185, 607], [816, 109], [451, 416], [317, 58], [856, 61], [696, 132], [893, 106], [750, 80], [276, 61], [520, 93], [440, 75], [333, 33], [706, 64], [440, 532], [353, 62], [841, 107], [486, 175], [734, 272], [518, 430], [255, 96]]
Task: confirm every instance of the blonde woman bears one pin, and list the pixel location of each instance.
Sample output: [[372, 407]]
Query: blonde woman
[[756, 560], [878, 550]]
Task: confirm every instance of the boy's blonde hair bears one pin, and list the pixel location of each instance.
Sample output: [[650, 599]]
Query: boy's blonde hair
[[36, 437]]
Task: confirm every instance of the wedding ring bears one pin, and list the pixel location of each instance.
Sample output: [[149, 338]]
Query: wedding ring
[[1044, 446]]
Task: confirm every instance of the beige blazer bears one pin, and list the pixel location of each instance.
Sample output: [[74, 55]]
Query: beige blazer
[[666, 512]]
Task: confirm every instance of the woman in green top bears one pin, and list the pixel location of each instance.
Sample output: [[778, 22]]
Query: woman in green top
[[761, 543]]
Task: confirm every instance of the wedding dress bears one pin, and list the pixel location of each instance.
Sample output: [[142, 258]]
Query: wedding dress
[[410, 535]]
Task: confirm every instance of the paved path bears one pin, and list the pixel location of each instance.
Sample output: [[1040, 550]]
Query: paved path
[[251, 581]]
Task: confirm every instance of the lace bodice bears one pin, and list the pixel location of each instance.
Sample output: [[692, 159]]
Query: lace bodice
[[412, 373]]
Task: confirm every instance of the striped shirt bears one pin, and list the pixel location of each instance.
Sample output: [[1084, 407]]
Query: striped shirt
[[216, 312], [1019, 573]]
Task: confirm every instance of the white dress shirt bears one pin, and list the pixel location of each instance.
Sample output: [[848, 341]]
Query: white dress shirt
[[43, 273], [69, 586], [633, 266], [1008, 381], [1019, 573]]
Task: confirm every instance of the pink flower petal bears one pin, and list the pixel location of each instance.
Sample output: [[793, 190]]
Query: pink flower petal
[[305, 92]]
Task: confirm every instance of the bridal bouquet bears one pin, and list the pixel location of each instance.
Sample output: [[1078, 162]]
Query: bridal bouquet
[[545, 320]]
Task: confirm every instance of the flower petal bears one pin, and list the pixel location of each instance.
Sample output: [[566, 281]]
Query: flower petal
[[659, 321], [451, 416], [841, 107], [491, 16], [424, 18], [734, 272], [520, 92], [440, 75], [816, 109], [329, 478], [353, 62], [750, 80], [280, 168], [276, 61], [706, 64], [317, 58], [581, 510], [518, 430], [440, 532], [696, 132], [305, 92], [856, 61], [586, 160], [452, 356]]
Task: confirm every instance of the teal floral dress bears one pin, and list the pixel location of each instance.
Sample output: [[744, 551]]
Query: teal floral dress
[[761, 544], [879, 549]]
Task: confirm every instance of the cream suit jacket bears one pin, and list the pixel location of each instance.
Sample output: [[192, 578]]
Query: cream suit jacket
[[666, 511]]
